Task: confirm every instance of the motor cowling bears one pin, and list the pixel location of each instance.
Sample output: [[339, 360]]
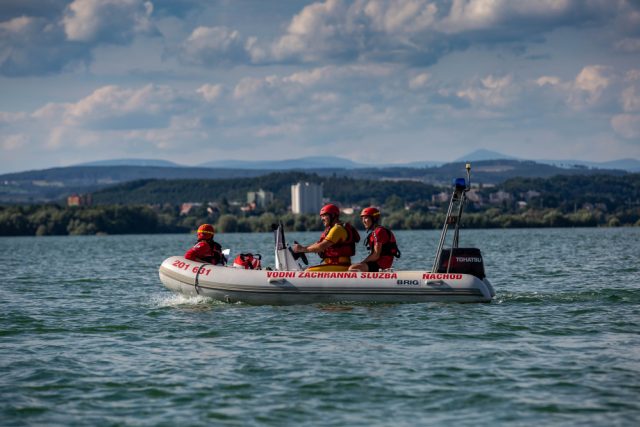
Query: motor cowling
[[463, 260]]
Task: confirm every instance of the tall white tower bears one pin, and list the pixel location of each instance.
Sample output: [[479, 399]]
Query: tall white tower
[[306, 197]]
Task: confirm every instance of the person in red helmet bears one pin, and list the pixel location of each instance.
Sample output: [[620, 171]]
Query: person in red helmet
[[380, 242], [337, 243], [206, 250]]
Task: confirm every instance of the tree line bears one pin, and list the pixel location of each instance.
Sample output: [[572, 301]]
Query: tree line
[[560, 201]]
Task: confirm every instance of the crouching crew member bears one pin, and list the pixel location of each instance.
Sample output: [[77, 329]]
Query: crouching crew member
[[380, 242], [337, 243], [206, 250]]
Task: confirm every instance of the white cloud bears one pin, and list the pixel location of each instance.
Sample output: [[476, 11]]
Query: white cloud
[[14, 142], [17, 26], [213, 46], [422, 31], [115, 21], [548, 80], [60, 39], [112, 106], [210, 92], [50, 111], [632, 75], [250, 86], [590, 85], [628, 45], [11, 117], [627, 125], [630, 99], [419, 81], [325, 97], [471, 15], [400, 16], [33, 46], [283, 129], [374, 82], [491, 91], [368, 29], [57, 138]]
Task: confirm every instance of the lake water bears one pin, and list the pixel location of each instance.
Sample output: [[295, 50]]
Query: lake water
[[89, 336]]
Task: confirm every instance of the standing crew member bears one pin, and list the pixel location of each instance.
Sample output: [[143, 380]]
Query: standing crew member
[[206, 250], [337, 243], [380, 242]]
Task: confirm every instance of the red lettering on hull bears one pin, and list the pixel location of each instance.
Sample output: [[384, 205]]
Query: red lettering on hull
[[441, 276], [281, 274], [327, 275], [379, 275]]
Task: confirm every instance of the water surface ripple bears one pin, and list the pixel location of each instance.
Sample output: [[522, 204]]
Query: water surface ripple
[[88, 336]]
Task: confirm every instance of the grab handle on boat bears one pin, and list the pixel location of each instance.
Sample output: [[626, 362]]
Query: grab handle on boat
[[196, 284]]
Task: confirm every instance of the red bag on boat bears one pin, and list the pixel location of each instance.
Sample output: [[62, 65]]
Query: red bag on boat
[[248, 261]]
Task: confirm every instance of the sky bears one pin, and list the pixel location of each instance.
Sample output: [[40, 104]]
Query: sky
[[374, 81]]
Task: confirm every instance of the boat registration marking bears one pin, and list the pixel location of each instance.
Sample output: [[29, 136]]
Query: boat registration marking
[[181, 265]]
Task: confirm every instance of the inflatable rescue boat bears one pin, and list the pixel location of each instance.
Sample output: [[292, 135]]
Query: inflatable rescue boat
[[457, 275]]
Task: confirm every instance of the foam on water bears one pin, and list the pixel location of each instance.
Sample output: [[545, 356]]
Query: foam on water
[[177, 300]]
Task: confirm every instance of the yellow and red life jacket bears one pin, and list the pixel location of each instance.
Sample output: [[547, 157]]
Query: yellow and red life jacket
[[346, 248]]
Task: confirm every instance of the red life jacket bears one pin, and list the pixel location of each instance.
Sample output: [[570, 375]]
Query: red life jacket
[[217, 256], [389, 248], [248, 261], [346, 248]]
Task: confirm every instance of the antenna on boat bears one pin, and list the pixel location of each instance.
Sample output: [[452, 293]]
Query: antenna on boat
[[458, 199]]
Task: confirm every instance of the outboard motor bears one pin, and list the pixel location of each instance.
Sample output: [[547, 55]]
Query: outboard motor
[[463, 260]]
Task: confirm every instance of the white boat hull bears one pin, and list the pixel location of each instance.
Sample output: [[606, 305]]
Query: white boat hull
[[302, 287]]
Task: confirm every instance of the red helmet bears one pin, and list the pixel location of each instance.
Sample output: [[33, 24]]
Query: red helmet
[[330, 209], [372, 212], [206, 231]]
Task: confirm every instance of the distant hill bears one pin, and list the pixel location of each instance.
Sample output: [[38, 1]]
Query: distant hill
[[49, 185], [483, 154], [338, 188], [57, 183], [132, 162], [335, 162], [318, 162], [629, 165]]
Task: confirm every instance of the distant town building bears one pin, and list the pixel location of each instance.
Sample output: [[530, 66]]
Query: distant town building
[[260, 198], [306, 197], [474, 196], [440, 197], [185, 208], [531, 194], [79, 200], [499, 197]]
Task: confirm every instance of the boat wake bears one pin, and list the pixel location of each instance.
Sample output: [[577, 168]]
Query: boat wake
[[180, 300]]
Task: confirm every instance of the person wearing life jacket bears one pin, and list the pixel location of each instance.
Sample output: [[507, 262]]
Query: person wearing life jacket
[[206, 250], [380, 242], [337, 243]]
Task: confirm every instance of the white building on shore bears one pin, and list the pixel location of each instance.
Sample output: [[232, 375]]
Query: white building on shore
[[306, 197]]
